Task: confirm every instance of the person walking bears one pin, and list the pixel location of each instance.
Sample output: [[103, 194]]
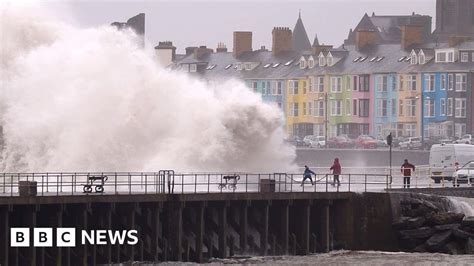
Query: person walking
[[336, 171], [406, 170], [307, 175]]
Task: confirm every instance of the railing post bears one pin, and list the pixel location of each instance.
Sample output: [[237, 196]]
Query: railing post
[[208, 181], [195, 183], [349, 181], [182, 183], [146, 184], [365, 183], [115, 182], [327, 182]]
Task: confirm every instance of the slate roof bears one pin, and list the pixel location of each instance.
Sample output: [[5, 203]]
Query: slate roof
[[382, 58], [388, 28], [300, 38]]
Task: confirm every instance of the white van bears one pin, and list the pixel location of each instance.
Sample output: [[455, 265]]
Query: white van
[[444, 156]]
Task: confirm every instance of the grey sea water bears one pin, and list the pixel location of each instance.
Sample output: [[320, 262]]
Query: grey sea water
[[346, 257]]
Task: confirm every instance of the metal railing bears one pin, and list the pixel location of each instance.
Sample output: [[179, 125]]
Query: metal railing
[[170, 182]]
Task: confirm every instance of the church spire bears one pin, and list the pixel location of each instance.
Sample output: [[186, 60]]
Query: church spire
[[300, 38]]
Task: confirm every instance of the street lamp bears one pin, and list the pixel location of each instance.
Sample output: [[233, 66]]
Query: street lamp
[[326, 118]]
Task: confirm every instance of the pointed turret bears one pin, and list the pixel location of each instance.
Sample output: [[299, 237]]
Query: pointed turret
[[300, 38], [316, 41]]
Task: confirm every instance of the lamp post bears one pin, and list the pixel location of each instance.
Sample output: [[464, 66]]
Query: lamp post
[[326, 118], [389, 143]]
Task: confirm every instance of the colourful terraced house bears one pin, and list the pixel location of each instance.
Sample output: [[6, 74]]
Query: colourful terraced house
[[384, 79]]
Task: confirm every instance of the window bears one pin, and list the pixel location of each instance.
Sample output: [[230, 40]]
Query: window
[[293, 109], [461, 82], [364, 83], [381, 83], [320, 108], [248, 66], [450, 56], [192, 68], [302, 63], [382, 108], [322, 60], [349, 84], [440, 57], [421, 58], [321, 84], [269, 88], [411, 107], [310, 108], [254, 86], [293, 87], [264, 89], [348, 107], [450, 82], [472, 55], [429, 108], [336, 84], [401, 82], [310, 84], [279, 87], [364, 107], [304, 109], [238, 66], [336, 106], [304, 86], [442, 106], [464, 57], [413, 58], [443, 82], [460, 129], [400, 107], [394, 107], [429, 82], [450, 107], [354, 107], [460, 108], [410, 129], [330, 59], [412, 82], [311, 62]]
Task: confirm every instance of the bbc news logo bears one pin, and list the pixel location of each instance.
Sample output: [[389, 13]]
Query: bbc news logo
[[66, 237]]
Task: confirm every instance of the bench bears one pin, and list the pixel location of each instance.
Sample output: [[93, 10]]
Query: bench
[[99, 188]]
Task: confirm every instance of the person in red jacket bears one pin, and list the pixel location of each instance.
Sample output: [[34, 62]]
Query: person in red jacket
[[336, 170], [406, 170]]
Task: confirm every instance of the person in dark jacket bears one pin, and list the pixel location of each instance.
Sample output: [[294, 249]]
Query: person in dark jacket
[[307, 175], [336, 171], [406, 170]]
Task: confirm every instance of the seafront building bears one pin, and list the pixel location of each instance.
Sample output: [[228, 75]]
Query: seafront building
[[392, 74]]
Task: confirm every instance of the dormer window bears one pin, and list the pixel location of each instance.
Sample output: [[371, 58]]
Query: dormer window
[[413, 58], [330, 59], [248, 66], [443, 56], [239, 67], [464, 57], [311, 62], [192, 68], [421, 57], [302, 63], [322, 60]]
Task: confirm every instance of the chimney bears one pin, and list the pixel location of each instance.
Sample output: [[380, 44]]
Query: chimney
[[320, 48], [201, 52], [455, 40], [365, 37], [411, 34], [190, 50], [165, 52], [242, 42], [221, 48], [281, 40]]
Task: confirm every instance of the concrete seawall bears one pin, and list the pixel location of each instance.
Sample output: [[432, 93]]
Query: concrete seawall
[[195, 227]]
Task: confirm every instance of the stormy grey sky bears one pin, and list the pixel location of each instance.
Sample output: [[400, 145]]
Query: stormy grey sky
[[191, 23]]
